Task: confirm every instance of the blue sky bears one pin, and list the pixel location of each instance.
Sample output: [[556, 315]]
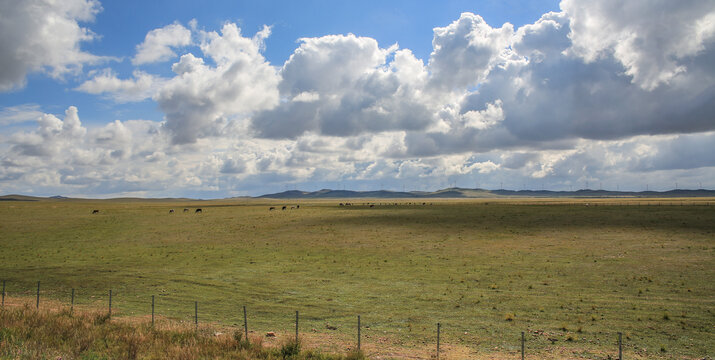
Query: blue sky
[[167, 98]]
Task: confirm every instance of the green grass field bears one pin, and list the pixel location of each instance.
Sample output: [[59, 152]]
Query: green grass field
[[571, 276]]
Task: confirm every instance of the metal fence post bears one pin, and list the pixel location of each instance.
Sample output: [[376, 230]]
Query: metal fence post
[[245, 322], [438, 327], [72, 302], [152, 311], [110, 303], [522, 345], [196, 315], [296, 326], [38, 295], [3, 294], [620, 348], [358, 332]]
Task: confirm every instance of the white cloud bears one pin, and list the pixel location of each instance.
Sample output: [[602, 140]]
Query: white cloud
[[651, 40], [159, 43], [541, 105], [465, 51], [353, 89], [142, 86], [19, 114], [201, 99], [44, 36]]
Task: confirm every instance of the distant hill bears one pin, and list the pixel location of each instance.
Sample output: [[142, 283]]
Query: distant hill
[[449, 193], [482, 193], [15, 197]]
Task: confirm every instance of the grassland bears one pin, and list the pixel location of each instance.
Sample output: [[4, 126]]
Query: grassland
[[571, 276]]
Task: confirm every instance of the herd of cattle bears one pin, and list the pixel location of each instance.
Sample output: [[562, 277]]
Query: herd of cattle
[[171, 211], [286, 207], [382, 204]]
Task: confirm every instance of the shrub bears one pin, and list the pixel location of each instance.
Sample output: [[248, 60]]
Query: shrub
[[290, 349]]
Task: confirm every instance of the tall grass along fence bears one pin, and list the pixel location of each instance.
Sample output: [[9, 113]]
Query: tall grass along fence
[[151, 304]]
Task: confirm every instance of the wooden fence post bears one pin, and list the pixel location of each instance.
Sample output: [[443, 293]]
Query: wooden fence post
[[110, 303], [72, 302], [196, 315], [3, 294], [522, 345], [38, 295], [620, 348], [152, 311]]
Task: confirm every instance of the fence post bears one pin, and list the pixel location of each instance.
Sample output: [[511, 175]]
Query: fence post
[[522, 345], [72, 302], [196, 315], [110, 303], [296, 326], [358, 332], [3, 294], [152, 311], [38, 295], [620, 348], [438, 326], [245, 322]]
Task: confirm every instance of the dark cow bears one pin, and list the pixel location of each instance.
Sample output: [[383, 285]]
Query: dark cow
[[186, 210], [171, 211], [271, 208], [284, 207], [95, 211], [371, 205], [297, 206], [198, 211]]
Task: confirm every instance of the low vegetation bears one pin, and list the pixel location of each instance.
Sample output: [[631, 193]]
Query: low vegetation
[[29, 334], [570, 276]]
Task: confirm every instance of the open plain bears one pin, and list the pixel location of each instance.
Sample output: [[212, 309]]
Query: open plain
[[569, 273]]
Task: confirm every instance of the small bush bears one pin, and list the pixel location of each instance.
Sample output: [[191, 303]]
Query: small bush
[[290, 349], [355, 355]]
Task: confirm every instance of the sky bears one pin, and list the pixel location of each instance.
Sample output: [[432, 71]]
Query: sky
[[243, 98]]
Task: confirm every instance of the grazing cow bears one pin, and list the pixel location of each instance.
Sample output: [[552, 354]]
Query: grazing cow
[[292, 207], [198, 211], [371, 205], [297, 206], [171, 211], [95, 211], [341, 204], [284, 207], [186, 210], [271, 208]]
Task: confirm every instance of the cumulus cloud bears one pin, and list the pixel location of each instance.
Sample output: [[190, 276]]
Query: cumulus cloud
[[466, 50], [201, 98], [38, 35], [159, 43], [650, 40], [549, 96], [19, 114], [351, 88], [597, 92], [141, 86]]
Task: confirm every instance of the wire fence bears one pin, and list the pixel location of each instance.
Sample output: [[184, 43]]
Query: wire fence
[[107, 301]]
